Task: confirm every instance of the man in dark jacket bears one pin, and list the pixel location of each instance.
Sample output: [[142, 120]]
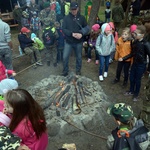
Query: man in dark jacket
[[74, 27]]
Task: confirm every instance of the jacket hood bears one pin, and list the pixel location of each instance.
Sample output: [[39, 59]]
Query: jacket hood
[[103, 27], [33, 36]]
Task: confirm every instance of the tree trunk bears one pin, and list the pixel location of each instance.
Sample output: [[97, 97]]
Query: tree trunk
[[127, 13], [79, 3], [94, 12]]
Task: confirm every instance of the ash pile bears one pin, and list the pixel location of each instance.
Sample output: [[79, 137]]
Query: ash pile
[[69, 100]]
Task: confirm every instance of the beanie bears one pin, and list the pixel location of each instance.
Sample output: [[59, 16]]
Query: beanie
[[96, 27], [112, 25], [133, 28], [108, 28], [8, 84]]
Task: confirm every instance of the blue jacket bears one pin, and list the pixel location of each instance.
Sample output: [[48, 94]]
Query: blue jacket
[[60, 39]]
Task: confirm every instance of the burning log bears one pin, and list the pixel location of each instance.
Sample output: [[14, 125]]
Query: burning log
[[66, 101], [75, 105]]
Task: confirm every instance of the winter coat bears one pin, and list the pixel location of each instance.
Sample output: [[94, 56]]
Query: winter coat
[[122, 49], [4, 72], [105, 45], [71, 25], [24, 41], [139, 52]]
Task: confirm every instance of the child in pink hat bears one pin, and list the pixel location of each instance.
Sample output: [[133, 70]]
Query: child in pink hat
[[92, 41]]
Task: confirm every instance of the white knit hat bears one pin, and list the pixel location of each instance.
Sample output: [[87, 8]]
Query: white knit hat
[[7, 84]]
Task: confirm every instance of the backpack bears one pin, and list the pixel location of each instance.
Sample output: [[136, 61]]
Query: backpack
[[49, 36], [129, 140]]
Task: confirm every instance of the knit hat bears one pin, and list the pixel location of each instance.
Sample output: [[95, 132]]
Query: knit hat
[[46, 4], [33, 35], [121, 112], [96, 27], [133, 28], [112, 25], [8, 84], [25, 30]]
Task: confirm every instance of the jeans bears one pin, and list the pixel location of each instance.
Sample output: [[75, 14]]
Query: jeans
[[67, 51], [6, 57], [89, 52], [136, 73], [123, 65], [104, 61]]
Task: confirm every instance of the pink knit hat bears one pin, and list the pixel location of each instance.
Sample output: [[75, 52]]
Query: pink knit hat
[[112, 25], [133, 28], [96, 27], [108, 27]]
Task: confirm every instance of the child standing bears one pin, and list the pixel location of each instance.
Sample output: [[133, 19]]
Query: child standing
[[123, 48], [5, 72], [49, 38], [115, 34], [139, 50], [92, 41], [25, 20], [60, 42], [130, 133], [35, 24], [28, 121], [104, 45]]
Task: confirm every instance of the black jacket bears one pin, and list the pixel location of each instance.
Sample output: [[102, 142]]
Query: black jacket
[[72, 24], [140, 50], [24, 41]]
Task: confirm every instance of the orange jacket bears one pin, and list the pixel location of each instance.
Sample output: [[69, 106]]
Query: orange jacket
[[122, 49]]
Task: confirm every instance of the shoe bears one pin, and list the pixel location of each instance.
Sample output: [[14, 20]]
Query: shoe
[[48, 63], [101, 78], [115, 81], [124, 83], [64, 74], [34, 66], [78, 73], [39, 63], [89, 60], [96, 62], [135, 99], [105, 74], [128, 93]]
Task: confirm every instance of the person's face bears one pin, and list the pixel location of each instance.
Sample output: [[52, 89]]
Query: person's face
[[74, 11], [7, 107], [138, 35], [108, 32], [125, 36]]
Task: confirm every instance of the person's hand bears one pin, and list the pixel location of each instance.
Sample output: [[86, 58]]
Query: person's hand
[[90, 45], [77, 35], [120, 59], [14, 73], [23, 147]]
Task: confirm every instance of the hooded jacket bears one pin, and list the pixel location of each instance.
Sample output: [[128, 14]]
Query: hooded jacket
[[105, 44], [71, 25]]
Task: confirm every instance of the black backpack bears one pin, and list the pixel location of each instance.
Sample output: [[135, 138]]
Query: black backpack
[[128, 141], [48, 36]]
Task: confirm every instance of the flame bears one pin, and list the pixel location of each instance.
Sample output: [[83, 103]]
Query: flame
[[57, 104]]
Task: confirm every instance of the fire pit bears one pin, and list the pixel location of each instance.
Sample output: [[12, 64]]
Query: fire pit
[[72, 99]]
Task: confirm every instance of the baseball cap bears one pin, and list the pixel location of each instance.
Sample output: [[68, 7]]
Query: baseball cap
[[25, 30], [121, 112], [73, 5]]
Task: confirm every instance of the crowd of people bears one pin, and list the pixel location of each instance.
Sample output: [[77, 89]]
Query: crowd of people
[[58, 27]]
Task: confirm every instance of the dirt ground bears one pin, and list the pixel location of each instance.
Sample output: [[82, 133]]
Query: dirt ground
[[30, 76]]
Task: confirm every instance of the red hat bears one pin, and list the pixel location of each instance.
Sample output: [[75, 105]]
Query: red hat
[[25, 30], [96, 27], [112, 25]]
